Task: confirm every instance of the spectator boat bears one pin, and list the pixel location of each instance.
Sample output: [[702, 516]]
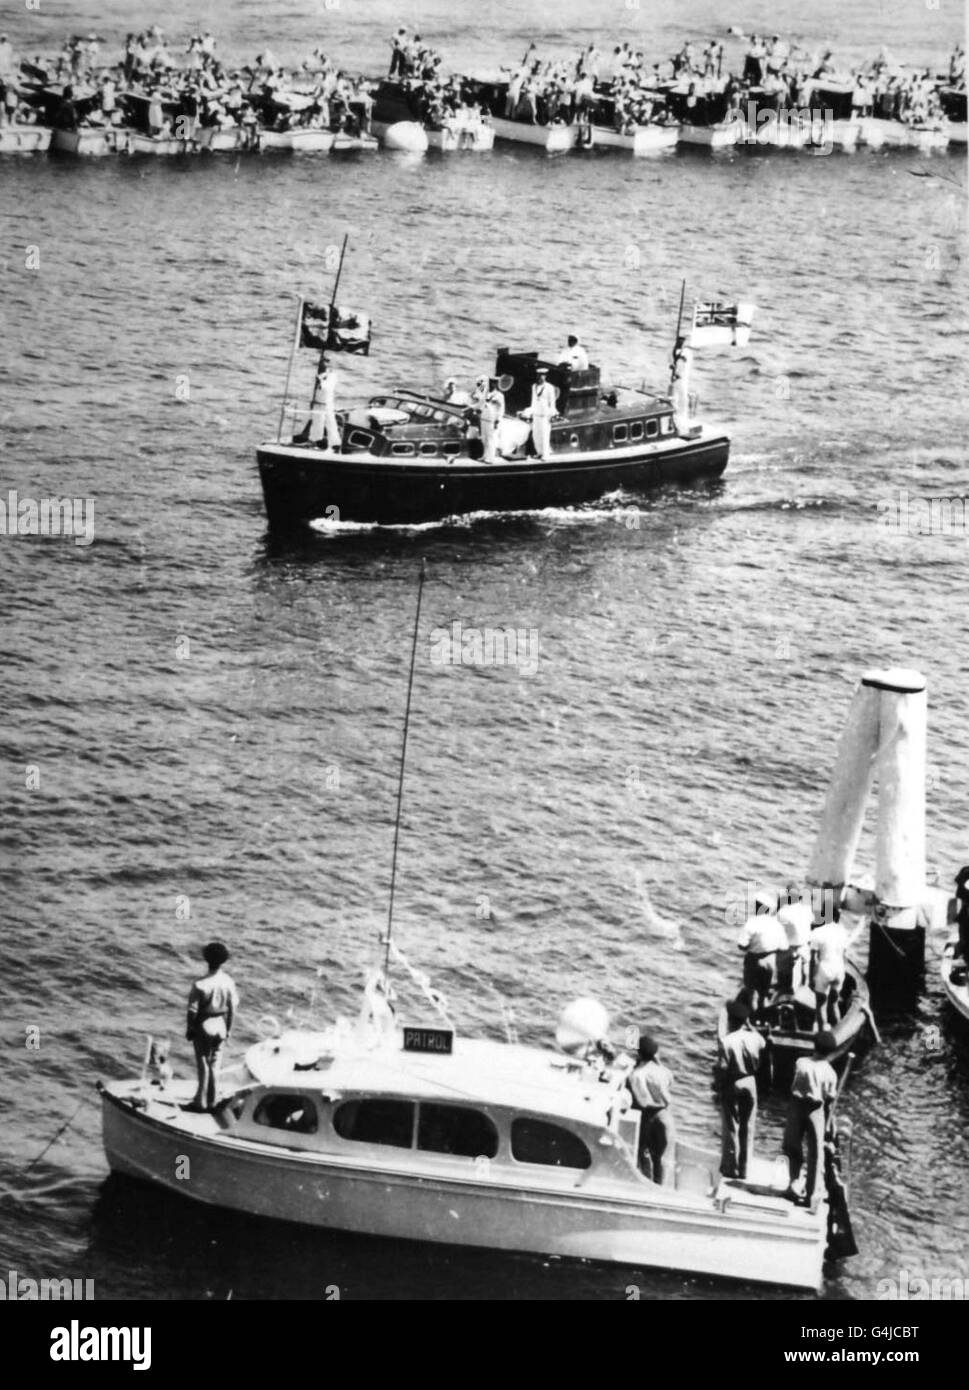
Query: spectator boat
[[93, 141], [955, 981], [413, 1133], [25, 139]]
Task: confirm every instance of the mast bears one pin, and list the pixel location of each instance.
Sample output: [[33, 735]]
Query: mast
[[400, 784], [329, 318], [679, 326]]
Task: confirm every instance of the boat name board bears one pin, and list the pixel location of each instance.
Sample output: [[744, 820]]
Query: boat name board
[[429, 1040]]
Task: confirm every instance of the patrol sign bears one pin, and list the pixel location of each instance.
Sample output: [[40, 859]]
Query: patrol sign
[[429, 1040]]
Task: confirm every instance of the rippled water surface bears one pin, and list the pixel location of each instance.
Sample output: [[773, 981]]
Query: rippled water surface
[[216, 718]]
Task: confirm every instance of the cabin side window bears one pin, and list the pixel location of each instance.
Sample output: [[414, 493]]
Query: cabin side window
[[453, 1129], [620, 433], [652, 429], [294, 1113], [376, 1122], [359, 439], [403, 450], [537, 1141], [636, 430]]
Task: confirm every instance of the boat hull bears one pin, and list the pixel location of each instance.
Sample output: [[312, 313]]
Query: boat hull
[[957, 994], [25, 139], [554, 139], [771, 1242], [92, 142], [301, 484], [402, 135], [479, 138], [646, 139], [714, 137]]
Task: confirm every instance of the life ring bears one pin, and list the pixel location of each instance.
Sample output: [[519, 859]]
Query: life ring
[[274, 1029]]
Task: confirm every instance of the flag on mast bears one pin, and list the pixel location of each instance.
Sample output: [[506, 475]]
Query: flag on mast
[[330, 329], [717, 323]]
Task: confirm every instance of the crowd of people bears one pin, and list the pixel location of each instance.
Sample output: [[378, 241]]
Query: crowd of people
[[153, 83]]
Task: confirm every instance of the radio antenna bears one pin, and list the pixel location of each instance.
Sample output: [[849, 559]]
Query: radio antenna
[[400, 784]]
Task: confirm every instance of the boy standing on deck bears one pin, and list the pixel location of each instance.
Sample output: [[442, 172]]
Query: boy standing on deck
[[212, 1005]]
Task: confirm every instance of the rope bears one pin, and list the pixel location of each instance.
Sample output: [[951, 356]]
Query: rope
[[51, 1142]]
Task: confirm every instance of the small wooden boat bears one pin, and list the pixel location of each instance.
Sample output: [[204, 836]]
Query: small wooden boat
[[344, 143], [553, 139], [25, 139], [218, 141], [644, 139], [955, 982], [718, 136], [477, 136], [788, 1025], [93, 142], [165, 145]]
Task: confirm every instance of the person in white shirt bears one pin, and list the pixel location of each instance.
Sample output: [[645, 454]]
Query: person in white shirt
[[829, 948], [794, 960], [541, 410], [213, 1002], [492, 414], [324, 415], [650, 1084], [741, 1052], [680, 384], [760, 939], [813, 1093], [454, 395], [574, 355]]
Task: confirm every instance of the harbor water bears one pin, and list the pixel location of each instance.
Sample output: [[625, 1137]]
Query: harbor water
[[201, 727]]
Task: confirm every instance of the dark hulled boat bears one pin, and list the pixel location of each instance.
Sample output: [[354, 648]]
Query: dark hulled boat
[[407, 458]]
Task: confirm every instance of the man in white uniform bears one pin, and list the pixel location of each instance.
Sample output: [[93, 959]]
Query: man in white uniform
[[575, 355], [324, 414], [682, 364], [453, 393], [492, 414], [542, 409]]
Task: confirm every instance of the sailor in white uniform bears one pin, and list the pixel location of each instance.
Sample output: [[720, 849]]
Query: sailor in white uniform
[[542, 409], [453, 393], [680, 384], [324, 413], [492, 414], [575, 355]]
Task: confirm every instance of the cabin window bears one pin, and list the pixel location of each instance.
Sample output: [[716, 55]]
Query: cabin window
[[652, 429], [574, 440], [429, 449], [376, 1122], [403, 450], [636, 430], [361, 440], [453, 1129], [451, 449], [620, 433], [294, 1113], [537, 1141]]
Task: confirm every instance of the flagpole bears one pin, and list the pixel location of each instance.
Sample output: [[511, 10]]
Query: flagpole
[[400, 784], [329, 323], [289, 369]]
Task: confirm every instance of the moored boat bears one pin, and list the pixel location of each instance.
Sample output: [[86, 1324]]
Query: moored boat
[[93, 141], [788, 1023], [641, 140], [25, 139], [221, 141], [718, 136], [411, 1132], [163, 145], [953, 101], [955, 979]]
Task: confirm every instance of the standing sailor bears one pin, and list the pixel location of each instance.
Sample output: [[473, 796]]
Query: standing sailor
[[740, 1057], [813, 1093], [455, 395], [829, 947], [324, 416], [492, 414], [212, 1004], [760, 939], [962, 913], [680, 384], [542, 409], [650, 1084]]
